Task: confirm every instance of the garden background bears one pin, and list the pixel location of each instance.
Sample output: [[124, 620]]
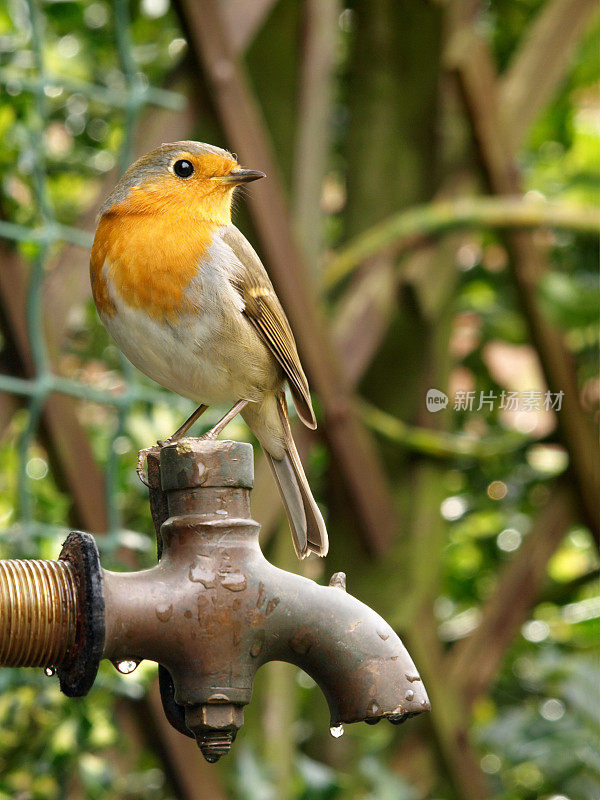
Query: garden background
[[430, 220]]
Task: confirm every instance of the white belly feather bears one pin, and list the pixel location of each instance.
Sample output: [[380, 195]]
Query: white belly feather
[[212, 355]]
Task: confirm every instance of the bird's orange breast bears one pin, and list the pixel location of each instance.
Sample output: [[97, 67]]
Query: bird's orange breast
[[150, 261]]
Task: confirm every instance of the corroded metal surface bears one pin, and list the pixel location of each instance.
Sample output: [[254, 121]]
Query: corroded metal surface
[[211, 612], [214, 610]]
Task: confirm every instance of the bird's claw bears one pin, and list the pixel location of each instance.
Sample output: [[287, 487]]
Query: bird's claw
[[142, 456]]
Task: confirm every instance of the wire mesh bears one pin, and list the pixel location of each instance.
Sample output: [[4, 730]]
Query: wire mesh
[[29, 74]]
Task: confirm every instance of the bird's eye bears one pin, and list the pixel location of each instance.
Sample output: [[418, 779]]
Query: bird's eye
[[183, 168]]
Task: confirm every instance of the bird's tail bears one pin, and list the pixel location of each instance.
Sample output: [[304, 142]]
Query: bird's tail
[[308, 528], [306, 522]]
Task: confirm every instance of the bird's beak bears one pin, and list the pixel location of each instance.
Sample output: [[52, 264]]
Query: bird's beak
[[241, 176]]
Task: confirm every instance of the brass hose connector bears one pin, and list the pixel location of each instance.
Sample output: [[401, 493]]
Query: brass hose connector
[[38, 612]]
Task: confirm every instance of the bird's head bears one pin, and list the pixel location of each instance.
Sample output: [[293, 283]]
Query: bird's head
[[182, 177]]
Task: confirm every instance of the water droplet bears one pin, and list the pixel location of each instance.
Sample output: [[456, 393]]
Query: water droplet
[[336, 731], [338, 579], [234, 581], [126, 667], [397, 717], [202, 572], [374, 710], [50, 671], [164, 612], [410, 695]]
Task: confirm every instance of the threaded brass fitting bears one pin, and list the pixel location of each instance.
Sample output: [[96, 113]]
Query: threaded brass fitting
[[214, 744], [38, 612]]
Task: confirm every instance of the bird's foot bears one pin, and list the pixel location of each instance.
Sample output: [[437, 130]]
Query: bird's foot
[[141, 459]]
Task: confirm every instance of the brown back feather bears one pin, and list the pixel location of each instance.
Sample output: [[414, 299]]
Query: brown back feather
[[264, 311]]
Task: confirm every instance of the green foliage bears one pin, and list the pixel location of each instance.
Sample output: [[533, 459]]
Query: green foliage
[[51, 745], [535, 728], [543, 742], [313, 780]]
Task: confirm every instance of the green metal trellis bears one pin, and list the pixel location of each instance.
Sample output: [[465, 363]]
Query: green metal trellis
[[49, 231]]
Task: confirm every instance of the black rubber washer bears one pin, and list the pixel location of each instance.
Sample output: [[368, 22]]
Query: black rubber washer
[[174, 713], [77, 677]]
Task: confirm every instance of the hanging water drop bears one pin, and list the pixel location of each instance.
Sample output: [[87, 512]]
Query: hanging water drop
[[336, 731], [126, 667], [50, 671]]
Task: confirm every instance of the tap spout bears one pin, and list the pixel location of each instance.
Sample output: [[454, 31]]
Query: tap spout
[[225, 610], [210, 613], [214, 610], [355, 657]]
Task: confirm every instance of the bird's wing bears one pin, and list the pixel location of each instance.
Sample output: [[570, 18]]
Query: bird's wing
[[264, 311]]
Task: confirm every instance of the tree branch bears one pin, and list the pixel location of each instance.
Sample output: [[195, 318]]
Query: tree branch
[[69, 440], [440, 444], [540, 63], [190, 775], [472, 62], [72, 265], [416, 226], [355, 305], [243, 19], [475, 661], [314, 123], [449, 718], [348, 440]]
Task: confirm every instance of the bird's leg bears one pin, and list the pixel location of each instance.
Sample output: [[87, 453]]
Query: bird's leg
[[233, 412], [180, 432], [143, 454]]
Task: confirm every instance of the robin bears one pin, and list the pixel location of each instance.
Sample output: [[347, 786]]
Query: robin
[[188, 301]]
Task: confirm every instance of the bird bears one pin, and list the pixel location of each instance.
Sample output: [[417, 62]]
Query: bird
[[187, 299]]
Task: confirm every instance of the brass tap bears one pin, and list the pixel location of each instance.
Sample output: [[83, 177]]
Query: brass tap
[[210, 613]]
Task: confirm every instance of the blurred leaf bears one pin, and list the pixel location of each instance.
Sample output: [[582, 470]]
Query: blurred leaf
[[571, 300]]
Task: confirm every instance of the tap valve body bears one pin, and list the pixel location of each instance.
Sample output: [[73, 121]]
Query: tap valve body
[[213, 610]]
